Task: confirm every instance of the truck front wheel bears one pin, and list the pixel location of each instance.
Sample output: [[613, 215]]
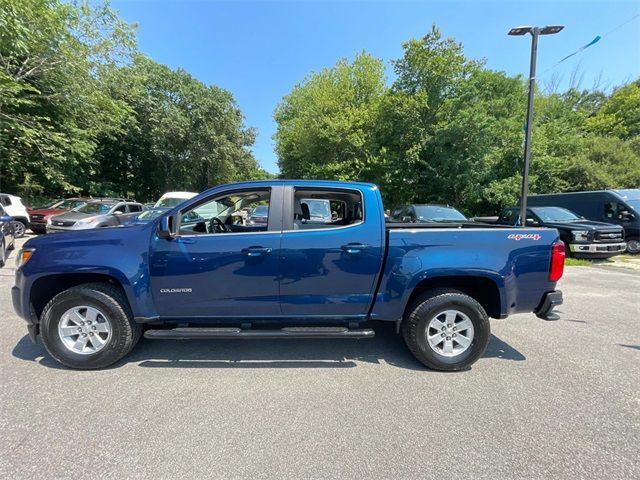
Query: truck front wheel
[[89, 326], [446, 330]]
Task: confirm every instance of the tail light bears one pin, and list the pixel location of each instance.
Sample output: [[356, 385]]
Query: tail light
[[558, 255]]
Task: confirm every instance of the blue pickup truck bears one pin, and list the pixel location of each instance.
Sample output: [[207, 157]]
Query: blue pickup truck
[[200, 272]]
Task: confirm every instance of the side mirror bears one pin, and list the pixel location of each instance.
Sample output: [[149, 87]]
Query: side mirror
[[531, 222], [626, 216], [117, 212], [166, 227], [406, 219]]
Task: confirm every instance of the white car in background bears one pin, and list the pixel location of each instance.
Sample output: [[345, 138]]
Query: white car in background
[[171, 199], [13, 206]]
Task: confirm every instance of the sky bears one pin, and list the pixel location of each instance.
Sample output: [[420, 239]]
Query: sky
[[259, 50]]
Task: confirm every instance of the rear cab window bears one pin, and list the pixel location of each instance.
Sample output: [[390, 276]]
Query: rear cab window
[[324, 208]]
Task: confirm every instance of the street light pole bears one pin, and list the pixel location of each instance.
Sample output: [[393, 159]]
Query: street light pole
[[527, 136], [535, 33]]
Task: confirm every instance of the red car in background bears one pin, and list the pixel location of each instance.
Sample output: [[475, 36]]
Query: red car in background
[[39, 216]]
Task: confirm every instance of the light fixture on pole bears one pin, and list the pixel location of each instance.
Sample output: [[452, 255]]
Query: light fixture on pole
[[535, 32]]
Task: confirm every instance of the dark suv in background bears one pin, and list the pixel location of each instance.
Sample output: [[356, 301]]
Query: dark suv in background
[[621, 207], [582, 238]]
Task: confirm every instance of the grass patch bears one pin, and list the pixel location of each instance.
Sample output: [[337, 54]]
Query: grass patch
[[577, 262]]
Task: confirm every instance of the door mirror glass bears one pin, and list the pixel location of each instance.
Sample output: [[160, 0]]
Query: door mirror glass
[[166, 227], [532, 222]]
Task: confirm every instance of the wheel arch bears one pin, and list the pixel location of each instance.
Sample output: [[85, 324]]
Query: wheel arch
[[46, 287], [483, 289]]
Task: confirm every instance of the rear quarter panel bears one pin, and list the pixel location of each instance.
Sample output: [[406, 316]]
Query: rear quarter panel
[[517, 264]]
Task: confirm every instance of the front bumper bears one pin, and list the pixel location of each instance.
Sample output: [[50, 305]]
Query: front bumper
[[549, 301], [39, 227], [598, 248], [57, 229]]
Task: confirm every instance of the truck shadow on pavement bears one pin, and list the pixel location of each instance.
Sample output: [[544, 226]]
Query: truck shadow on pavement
[[386, 347]]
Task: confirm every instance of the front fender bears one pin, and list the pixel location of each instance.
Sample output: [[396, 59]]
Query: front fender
[[118, 253]]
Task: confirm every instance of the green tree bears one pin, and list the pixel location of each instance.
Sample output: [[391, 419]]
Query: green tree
[[183, 135], [53, 102], [325, 124]]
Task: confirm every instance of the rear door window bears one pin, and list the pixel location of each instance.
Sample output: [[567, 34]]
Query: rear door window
[[317, 208]]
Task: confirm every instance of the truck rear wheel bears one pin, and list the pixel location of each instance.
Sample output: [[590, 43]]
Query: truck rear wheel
[[446, 330], [89, 326]]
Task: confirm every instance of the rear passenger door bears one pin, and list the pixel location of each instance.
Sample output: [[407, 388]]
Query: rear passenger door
[[328, 268]]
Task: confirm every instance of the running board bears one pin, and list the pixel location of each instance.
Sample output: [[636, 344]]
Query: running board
[[193, 333]]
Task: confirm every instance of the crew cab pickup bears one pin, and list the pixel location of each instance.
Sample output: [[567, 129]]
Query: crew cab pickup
[[199, 272]]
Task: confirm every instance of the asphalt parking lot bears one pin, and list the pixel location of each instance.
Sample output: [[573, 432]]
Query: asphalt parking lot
[[548, 400]]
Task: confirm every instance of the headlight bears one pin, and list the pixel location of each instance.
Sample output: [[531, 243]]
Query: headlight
[[49, 221], [23, 256], [580, 235]]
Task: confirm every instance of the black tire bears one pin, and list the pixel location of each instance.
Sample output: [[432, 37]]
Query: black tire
[[633, 246], [106, 298], [19, 232], [428, 306]]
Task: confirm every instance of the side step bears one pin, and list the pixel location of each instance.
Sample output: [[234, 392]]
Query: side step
[[193, 333]]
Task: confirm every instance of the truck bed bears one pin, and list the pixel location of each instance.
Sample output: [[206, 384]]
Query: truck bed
[[516, 261]]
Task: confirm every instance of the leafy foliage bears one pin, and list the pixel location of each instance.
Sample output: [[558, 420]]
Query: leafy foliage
[[82, 112], [450, 130]]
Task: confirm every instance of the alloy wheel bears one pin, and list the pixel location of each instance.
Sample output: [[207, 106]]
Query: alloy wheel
[[84, 330], [450, 333]]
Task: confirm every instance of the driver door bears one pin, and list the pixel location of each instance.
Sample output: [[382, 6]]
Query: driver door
[[218, 267]]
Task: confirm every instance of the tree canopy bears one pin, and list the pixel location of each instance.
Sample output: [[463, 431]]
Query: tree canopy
[[450, 130], [83, 112]]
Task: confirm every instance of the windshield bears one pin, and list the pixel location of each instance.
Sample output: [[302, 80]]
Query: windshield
[[52, 204], [70, 204], [150, 214], [96, 208], [555, 214], [169, 202], [435, 213], [261, 211], [635, 204]]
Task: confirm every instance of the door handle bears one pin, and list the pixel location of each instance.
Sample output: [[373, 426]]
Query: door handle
[[354, 247], [255, 251]]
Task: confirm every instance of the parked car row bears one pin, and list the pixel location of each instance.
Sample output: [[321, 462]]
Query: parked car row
[[598, 224], [80, 213]]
